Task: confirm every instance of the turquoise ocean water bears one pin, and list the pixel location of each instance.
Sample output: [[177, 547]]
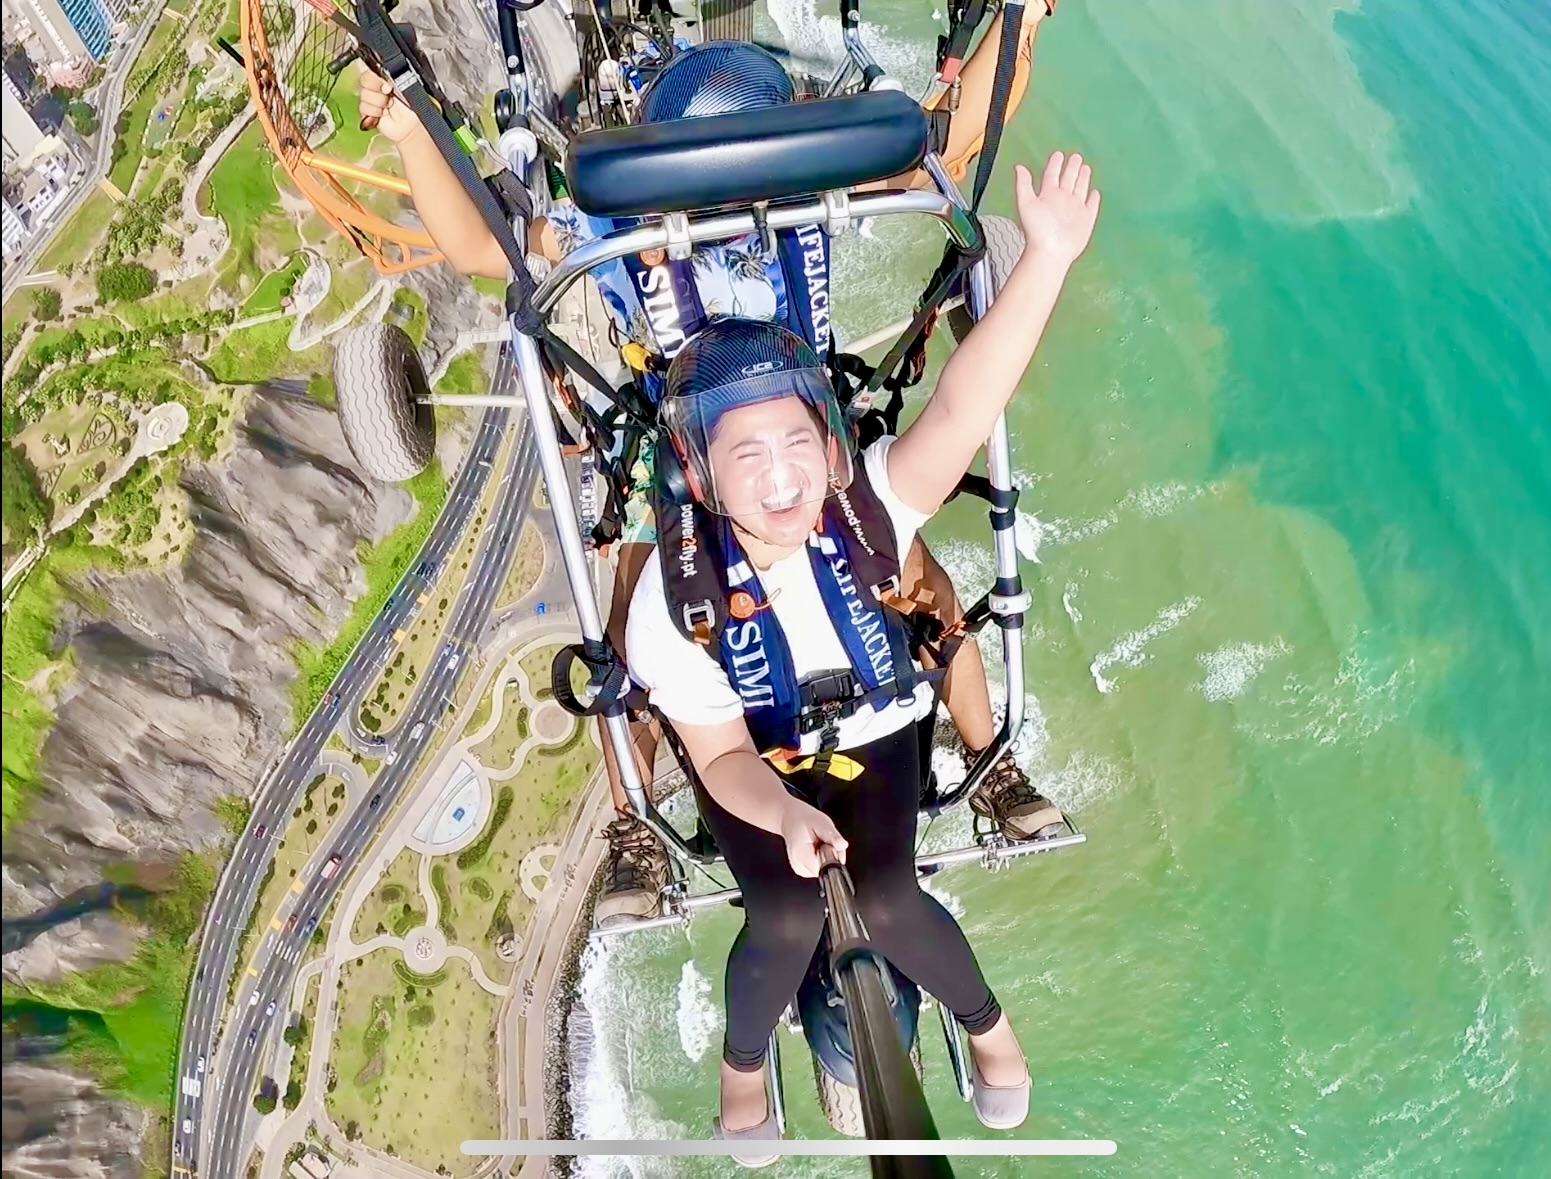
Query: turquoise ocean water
[[1286, 457]]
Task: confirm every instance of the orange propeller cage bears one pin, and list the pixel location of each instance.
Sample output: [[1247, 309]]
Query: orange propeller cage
[[392, 248]]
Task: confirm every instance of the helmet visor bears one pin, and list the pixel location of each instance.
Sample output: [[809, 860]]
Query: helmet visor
[[767, 445]]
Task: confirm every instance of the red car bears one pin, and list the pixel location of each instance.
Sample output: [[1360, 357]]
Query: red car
[[290, 923], [259, 834]]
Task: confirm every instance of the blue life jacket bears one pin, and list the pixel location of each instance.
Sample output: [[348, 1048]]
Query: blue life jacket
[[855, 561], [666, 297]]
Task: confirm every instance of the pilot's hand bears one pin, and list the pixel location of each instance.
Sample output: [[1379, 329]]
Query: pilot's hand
[[384, 109], [806, 830], [1057, 220]]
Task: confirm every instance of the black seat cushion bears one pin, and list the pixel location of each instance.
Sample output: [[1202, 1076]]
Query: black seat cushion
[[719, 160]]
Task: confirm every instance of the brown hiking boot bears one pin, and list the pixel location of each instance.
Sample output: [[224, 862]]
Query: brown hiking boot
[[1008, 798], [635, 874]]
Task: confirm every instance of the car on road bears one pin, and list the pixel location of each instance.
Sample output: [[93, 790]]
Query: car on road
[[200, 1067], [270, 1010], [393, 756], [188, 1125], [253, 1002], [330, 868], [452, 662], [259, 834], [414, 733], [376, 801], [331, 700], [290, 923], [312, 924], [253, 1037]]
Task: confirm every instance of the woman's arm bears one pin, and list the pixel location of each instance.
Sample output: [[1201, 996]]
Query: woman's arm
[[926, 461], [744, 785], [449, 215]]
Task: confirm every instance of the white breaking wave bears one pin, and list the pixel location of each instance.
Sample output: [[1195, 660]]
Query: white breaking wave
[[1130, 650], [1032, 533], [699, 1018], [1069, 602], [607, 1103], [1163, 498], [1362, 698], [1230, 670], [815, 43]]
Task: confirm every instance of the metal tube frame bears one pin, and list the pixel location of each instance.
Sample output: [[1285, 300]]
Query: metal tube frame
[[678, 234], [1008, 600]]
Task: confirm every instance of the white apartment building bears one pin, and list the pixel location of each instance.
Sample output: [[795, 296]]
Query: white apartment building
[[21, 136], [14, 228]]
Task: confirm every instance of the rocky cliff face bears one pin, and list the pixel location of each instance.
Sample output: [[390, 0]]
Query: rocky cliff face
[[181, 696], [57, 1123]]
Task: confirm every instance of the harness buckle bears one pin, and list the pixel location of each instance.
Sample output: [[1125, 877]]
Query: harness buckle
[[888, 594], [699, 618], [826, 697]]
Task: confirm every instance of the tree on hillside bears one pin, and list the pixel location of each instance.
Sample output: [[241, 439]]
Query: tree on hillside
[[123, 282], [267, 1097], [26, 510], [83, 115], [46, 303]]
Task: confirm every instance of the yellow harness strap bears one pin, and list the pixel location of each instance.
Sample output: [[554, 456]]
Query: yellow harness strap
[[635, 355], [840, 766]]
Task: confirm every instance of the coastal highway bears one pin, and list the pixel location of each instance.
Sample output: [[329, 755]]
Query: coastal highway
[[219, 1115], [251, 1034]]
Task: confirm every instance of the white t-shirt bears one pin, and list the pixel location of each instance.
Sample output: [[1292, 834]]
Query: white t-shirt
[[688, 686]]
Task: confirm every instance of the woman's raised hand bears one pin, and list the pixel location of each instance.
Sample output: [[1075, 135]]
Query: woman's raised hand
[[806, 830], [1058, 219], [389, 113]]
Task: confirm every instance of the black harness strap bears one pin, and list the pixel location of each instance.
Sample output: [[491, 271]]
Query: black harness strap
[[1001, 91]]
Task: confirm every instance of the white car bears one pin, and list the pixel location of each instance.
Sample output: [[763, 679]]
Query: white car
[[200, 1067], [393, 756], [253, 1002], [414, 733], [188, 1125], [453, 662]]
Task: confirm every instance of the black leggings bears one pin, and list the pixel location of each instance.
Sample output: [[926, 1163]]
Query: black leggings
[[783, 913]]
